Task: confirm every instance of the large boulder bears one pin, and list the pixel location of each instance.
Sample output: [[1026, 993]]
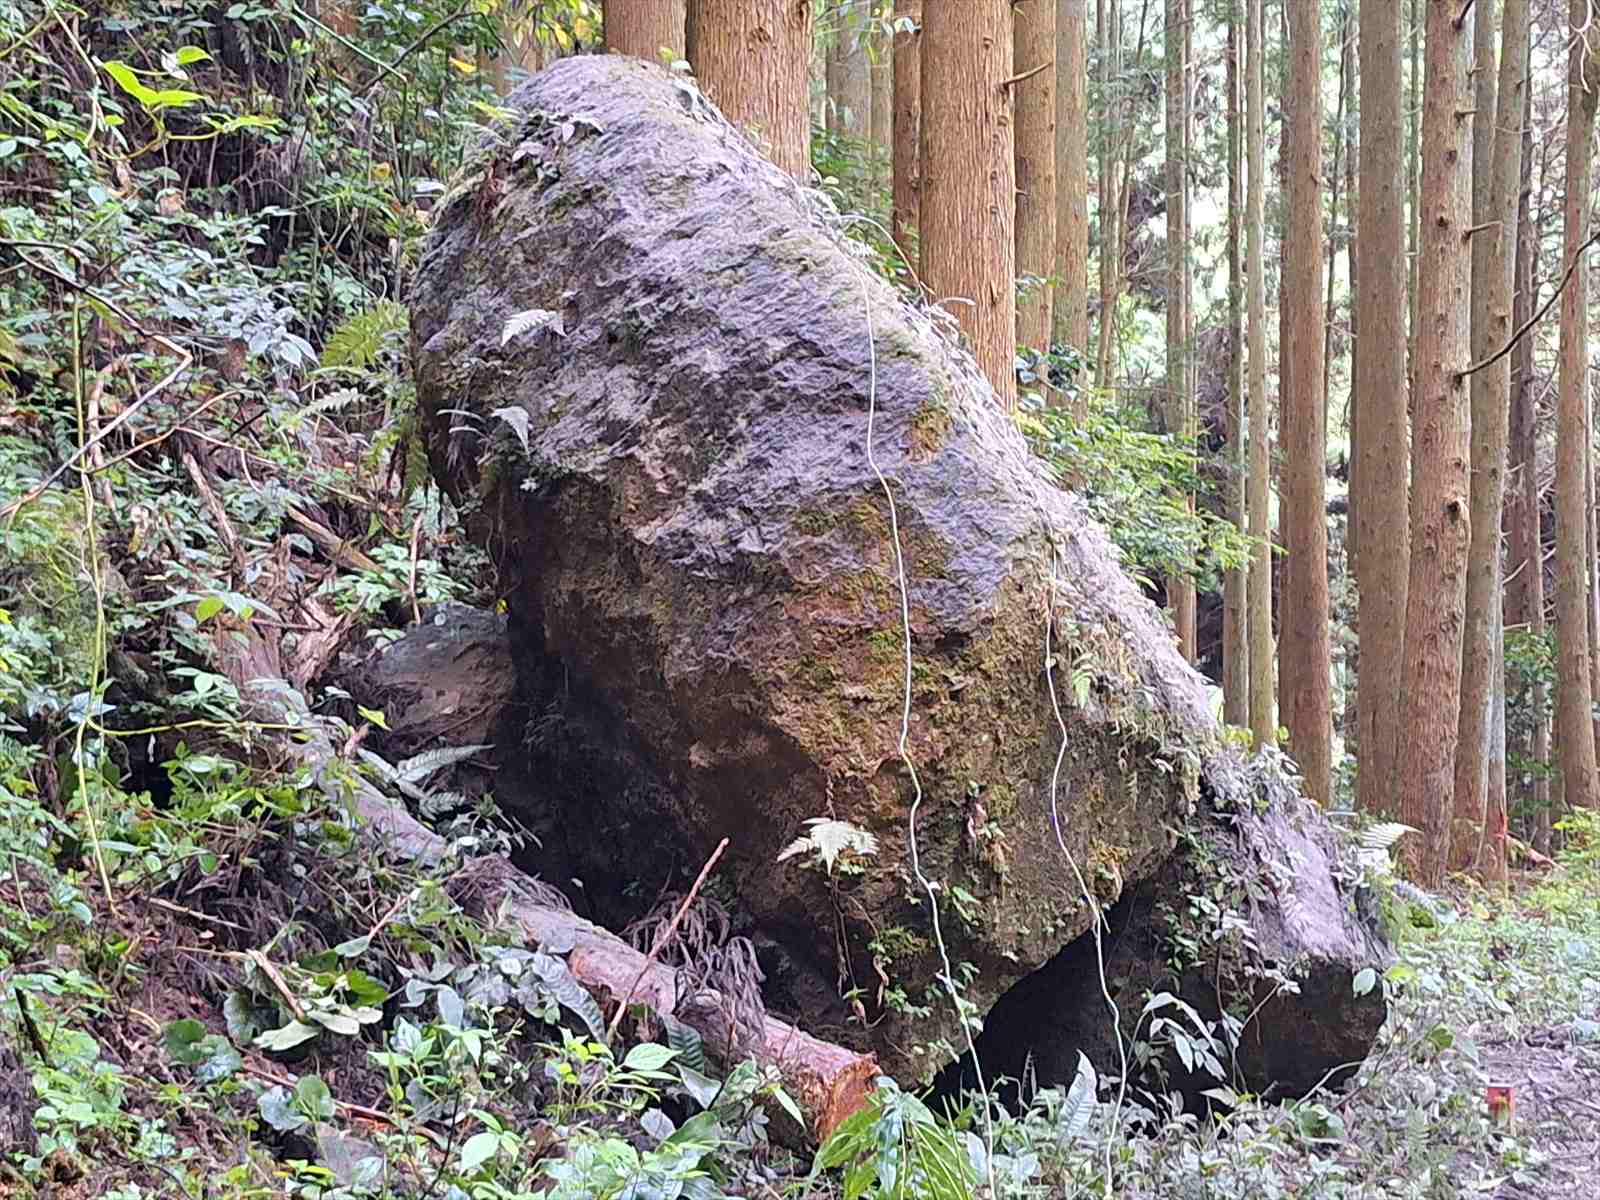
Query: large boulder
[[663, 385]]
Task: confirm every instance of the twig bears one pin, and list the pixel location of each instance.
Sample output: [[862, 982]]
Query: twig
[[393, 68], [411, 583], [218, 513], [1516, 337], [357, 1110], [29, 1027], [337, 547], [278, 981], [121, 418], [1026, 75], [664, 937], [195, 913], [151, 442]]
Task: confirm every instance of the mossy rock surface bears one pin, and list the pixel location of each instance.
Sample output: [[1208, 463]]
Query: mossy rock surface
[[669, 461]]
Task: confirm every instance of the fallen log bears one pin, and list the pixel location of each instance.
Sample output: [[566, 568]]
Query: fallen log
[[828, 1081]]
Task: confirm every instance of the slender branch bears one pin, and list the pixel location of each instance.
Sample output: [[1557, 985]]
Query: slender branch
[[1016, 79], [466, 10], [664, 937], [1572, 269], [39, 489]]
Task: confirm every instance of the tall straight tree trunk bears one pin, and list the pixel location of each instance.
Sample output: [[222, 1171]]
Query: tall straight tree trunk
[[1235, 602], [1263, 722], [1381, 470], [1349, 719], [1414, 180], [1574, 697], [752, 57], [1034, 100], [645, 28], [1072, 178], [1493, 264], [1440, 514], [882, 73], [1112, 202], [1341, 150], [969, 178], [849, 76], [1305, 651], [1180, 590], [1477, 653], [1526, 567], [907, 124]]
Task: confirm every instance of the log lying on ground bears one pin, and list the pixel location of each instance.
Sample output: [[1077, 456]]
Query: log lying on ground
[[645, 364], [829, 1082]]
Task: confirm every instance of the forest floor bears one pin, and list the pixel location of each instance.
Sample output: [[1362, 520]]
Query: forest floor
[[210, 989]]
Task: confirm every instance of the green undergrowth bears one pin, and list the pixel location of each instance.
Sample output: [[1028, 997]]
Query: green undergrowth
[[209, 985]]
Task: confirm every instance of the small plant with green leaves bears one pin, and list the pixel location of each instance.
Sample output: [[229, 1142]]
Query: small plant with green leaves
[[836, 848], [895, 1148]]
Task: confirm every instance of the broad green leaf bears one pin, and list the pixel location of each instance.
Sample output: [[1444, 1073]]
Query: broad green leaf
[[648, 1056], [340, 1020], [477, 1150], [208, 608], [313, 1096], [288, 1037], [222, 1060], [191, 54], [1366, 979], [353, 948], [183, 1040], [278, 1109]]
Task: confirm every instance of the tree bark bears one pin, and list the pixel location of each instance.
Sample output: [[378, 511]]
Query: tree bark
[[1414, 184], [1440, 506], [1235, 603], [1034, 101], [645, 28], [1380, 470], [1263, 722], [969, 178], [1526, 566], [1109, 32], [908, 127], [1306, 651], [1072, 180], [1472, 750], [882, 139], [1342, 149], [1180, 589], [1574, 696], [1478, 836], [752, 59], [849, 78]]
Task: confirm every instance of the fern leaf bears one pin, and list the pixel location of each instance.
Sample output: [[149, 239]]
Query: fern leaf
[[1382, 836], [1079, 1103], [529, 320], [360, 340], [439, 803], [419, 767]]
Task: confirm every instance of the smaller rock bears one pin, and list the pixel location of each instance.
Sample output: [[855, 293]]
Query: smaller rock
[[445, 683]]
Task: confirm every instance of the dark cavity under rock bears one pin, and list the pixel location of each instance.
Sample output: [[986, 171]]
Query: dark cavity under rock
[[1285, 967], [644, 368]]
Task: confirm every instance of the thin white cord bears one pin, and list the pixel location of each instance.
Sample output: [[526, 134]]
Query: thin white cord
[[1088, 897], [948, 975]]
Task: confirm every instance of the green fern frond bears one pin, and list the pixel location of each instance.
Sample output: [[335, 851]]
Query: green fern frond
[[360, 340]]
